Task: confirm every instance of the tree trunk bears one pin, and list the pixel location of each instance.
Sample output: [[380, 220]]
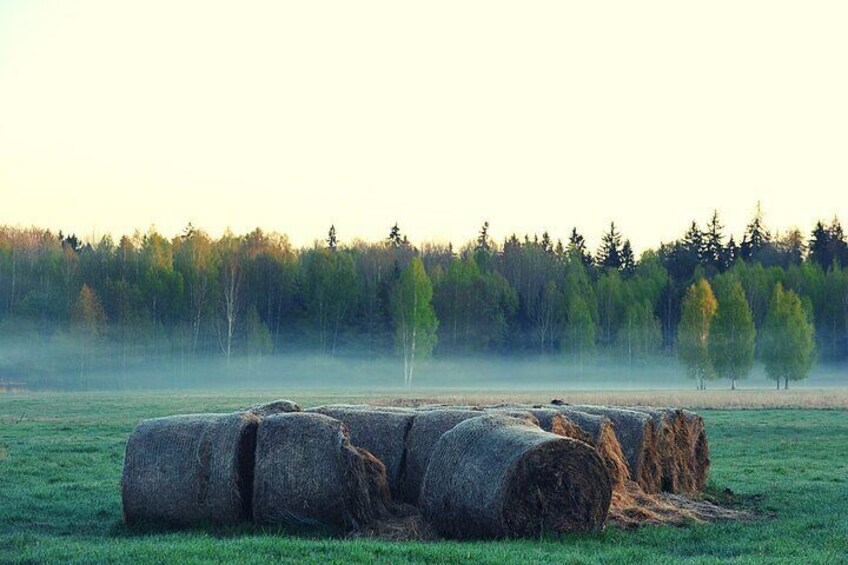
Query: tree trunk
[[786, 383], [732, 384]]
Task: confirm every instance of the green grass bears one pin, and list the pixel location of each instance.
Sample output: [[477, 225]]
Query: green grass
[[61, 457]]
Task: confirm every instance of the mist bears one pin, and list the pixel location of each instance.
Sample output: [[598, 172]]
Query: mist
[[32, 362]]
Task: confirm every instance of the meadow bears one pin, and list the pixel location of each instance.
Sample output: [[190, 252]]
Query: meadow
[[786, 461]]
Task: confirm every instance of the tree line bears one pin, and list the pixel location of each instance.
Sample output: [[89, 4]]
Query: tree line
[[254, 295]]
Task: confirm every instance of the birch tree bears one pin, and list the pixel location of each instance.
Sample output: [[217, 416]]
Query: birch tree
[[698, 308], [414, 319]]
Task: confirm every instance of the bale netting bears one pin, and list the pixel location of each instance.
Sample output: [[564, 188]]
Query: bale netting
[[191, 469], [308, 474], [427, 428], [382, 433], [495, 476], [281, 406], [635, 433]]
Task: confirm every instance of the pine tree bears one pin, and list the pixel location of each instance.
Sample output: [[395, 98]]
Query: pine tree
[[609, 255], [732, 334], [698, 308], [819, 246], [395, 239], [713, 247], [839, 248], [756, 236], [547, 247], [693, 244], [577, 248], [628, 261], [788, 348], [730, 254], [332, 242], [483, 243]]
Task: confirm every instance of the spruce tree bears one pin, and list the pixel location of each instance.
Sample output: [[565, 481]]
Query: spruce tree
[[756, 238], [332, 242], [609, 255], [577, 248], [628, 260], [712, 252]]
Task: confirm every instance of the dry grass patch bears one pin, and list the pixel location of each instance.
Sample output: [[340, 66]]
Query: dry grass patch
[[836, 398]]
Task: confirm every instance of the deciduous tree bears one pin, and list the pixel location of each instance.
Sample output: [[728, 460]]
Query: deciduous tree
[[698, 308]]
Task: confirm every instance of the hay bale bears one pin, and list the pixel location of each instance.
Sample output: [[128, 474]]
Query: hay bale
[[427, 428], [308, 474], [683, 448], [191, 469], [496, 476], [281, 406], [635, 433], [595, 430], [603, 439], [672, 447], [382, 433], [699, 461]]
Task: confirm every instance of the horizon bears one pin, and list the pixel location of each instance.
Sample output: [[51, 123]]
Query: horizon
[[593, 241]]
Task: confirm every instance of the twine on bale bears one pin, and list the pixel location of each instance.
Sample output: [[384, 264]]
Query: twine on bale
[[308, 474], [495, 476], [189, 470]]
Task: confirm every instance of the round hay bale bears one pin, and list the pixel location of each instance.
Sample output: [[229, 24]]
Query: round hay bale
[[699, 462], [281, 406], [190, 469], [495, 476], [382, 433], [307, 474], [635, 433], [605, 443], [672, 439], [427, 428]]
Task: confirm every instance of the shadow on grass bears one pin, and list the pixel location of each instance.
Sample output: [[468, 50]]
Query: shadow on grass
[[727, 498], [121, 529]]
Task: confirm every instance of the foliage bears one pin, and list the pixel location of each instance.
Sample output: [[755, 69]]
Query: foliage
[[699, 307], [732, 333], [788, 348], [195, 295], [414, 318]]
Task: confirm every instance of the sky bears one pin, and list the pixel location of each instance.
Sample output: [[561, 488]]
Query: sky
[[438, 115]]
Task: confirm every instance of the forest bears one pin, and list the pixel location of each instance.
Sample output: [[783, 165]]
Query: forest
[[107, 307]]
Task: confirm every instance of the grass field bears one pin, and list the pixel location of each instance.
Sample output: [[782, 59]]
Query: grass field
[[61, 457]]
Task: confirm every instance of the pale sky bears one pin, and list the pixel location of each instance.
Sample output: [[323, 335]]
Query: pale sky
[[438, 115]]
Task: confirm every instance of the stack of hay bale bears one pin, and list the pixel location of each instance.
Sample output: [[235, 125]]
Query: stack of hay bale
[[472, 471]]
